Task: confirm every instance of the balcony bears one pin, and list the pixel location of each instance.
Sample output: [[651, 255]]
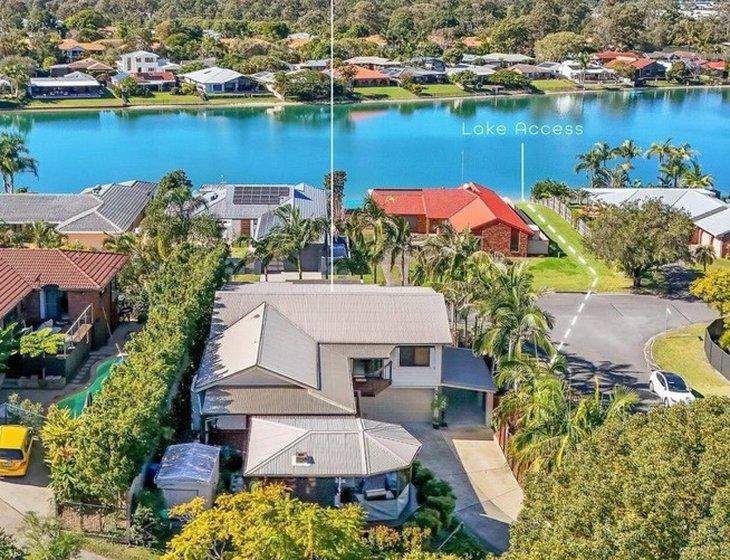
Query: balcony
[[371, 377]]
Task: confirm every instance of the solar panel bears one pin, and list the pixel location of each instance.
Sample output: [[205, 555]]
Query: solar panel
[[266, 195]]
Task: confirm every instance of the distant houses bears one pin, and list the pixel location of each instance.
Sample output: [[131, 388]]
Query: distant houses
[[74, 50], [145, 62], [215, 80], [73, 85]]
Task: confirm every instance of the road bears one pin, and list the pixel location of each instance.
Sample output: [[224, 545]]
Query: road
[[609, 335]]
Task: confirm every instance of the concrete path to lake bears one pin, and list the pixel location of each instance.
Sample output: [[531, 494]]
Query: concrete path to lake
[[488, 498]]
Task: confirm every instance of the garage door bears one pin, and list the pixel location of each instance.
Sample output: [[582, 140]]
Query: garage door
[[398, 405]]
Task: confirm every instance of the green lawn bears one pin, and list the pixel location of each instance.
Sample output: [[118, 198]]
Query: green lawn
[[240, 99], [443, 90], [383, 92], [559, 84], [107, 100], [567, 273], [166, 98], [115, 551], [682, 351]]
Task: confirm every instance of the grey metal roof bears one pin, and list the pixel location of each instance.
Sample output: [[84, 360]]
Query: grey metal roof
[[188, 462], [265, 400], [698, 203], [718, 224], [343, 313], [311, 202], [461, 369], [335, 446], [109, 208]]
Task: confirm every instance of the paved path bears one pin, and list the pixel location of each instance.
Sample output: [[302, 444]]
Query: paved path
[[488, 498], [609, 336]]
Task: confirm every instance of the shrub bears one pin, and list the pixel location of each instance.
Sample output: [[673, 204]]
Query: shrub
[[427, 518], [444, 505], [95, 457], [421, 475], [437, 487]]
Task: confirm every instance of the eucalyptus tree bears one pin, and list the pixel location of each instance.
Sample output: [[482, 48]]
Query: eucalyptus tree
[[14, 158], [296, 232]]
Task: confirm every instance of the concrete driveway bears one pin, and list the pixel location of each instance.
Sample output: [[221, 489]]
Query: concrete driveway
[[609, 335], [488, 498], [20, 496]]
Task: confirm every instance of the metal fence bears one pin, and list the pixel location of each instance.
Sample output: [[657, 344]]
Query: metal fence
[[718, 358], [562, 210]]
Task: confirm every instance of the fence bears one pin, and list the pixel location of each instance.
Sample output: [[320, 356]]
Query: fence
[[560, 208], [108, 521], [718, 358]]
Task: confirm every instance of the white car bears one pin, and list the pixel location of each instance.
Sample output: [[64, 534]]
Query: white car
[[670, 387]]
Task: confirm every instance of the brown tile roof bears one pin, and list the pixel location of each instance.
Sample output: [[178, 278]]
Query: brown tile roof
[[13, 288], [70, 270]]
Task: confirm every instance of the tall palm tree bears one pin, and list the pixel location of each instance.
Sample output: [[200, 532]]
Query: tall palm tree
[[14, 159], [660, 150], [672, 171], [267, 250], [43, 235], [628, 150], [372, 225], [704, 255], [295, 232], [584, 59], [616, 178], [121, 243], [594, 160], [400, 244]]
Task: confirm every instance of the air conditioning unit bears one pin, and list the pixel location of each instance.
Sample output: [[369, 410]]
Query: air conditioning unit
[[301, 459]]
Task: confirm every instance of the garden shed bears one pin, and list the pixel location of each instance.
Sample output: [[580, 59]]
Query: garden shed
[[188, 470]]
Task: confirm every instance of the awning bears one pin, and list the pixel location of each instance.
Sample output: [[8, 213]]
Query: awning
[[461, 369]]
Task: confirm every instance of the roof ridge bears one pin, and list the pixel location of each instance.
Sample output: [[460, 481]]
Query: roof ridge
[[77, 267], [304, 433]]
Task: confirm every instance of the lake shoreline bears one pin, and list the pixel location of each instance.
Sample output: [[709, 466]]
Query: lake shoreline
[[392, 101]]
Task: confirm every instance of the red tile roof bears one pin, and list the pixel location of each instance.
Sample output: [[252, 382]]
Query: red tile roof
[[468, 206], [637, 63], [715, 64], [147, 77], [22, 270], [611, 55]]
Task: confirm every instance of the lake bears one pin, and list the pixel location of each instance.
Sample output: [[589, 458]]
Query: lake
[[440, 143]]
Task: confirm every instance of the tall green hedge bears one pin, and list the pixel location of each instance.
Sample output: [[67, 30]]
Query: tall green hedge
[[95, 458]]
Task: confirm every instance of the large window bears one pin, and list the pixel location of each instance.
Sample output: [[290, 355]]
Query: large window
[[514, 241], [415, 356], [367, 367]]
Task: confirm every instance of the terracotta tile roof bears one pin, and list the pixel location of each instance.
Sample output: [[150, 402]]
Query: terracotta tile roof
[[467, 206], [70, 270], [68, 44], [13, 288], [637, 63], [362, 73], [716, 65], [611, 55], [147, 77]]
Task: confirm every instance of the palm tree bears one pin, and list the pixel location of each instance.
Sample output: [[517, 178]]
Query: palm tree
[[694, 178], [43, 235], [9, 237], [371, 224], [359, 259], [121, 243], [14, 159], [594, 160], [584, 59], [400, 244], [672, 171], [628, 150], [704, 255], [295, 232], [661, 151], [616, 178], [270, 248]]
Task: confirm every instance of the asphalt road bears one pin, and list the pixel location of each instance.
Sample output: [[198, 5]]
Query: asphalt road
[[609, 335]]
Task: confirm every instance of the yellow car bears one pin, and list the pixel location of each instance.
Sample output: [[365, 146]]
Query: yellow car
[[15, 446]]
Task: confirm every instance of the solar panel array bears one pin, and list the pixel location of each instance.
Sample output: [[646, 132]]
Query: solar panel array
[[266, 194]]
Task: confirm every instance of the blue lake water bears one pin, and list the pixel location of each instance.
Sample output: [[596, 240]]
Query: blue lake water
[[413, 144]]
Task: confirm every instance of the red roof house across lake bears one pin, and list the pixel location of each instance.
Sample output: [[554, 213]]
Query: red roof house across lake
[[469, 206]]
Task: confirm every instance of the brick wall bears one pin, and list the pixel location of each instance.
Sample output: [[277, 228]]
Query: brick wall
[[102, 305], [496, 237]]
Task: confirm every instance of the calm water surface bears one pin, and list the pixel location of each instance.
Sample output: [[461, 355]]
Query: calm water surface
[[416, 144]]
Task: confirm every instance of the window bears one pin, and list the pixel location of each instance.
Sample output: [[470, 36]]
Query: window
[[415, 356], [514, 241]]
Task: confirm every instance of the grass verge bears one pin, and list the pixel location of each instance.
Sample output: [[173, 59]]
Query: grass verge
[[569, 273], [383, 92], [443, 90], [559, 84], [116, 551], [682, 351]]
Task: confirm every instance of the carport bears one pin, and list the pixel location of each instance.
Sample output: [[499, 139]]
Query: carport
[[469, 388]]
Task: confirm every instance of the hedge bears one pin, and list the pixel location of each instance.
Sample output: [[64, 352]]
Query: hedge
[[95, 457]]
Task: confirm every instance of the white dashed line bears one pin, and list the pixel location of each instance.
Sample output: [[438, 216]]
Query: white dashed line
[[582, 260], [595, 282], [567, 334], [562, 239], [572, 249], [539, 217], [551, 228], [581, 307], [575, 318], [531, 207], [592, 271], [588, 294]]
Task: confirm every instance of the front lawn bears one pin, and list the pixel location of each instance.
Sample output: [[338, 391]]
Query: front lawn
[[559, 84], [106, 100], [443, 90], [166, 98], [383, 92], [682, 351], [569, 273], [115, 551]]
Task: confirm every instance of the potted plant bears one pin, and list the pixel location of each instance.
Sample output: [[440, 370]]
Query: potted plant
[[38, 344], [438, 405]]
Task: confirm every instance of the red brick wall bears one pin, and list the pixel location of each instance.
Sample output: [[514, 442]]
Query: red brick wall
[[496, 237]]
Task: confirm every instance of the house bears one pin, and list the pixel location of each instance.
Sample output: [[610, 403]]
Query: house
[[217, 80], [61, 289], [593, 73], [644, 68], [74, 50], [86, 218], [503, 60], [371, 62], [311, 382], [710, 215], [469, 206], [365, 77], [427, 63], [532, 72], [88, 66], [717, 68], [75, 84], [318, 65], [145, 62], [552, 67], [482, 72], [604, 57], [155, 81], [418, 75]]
